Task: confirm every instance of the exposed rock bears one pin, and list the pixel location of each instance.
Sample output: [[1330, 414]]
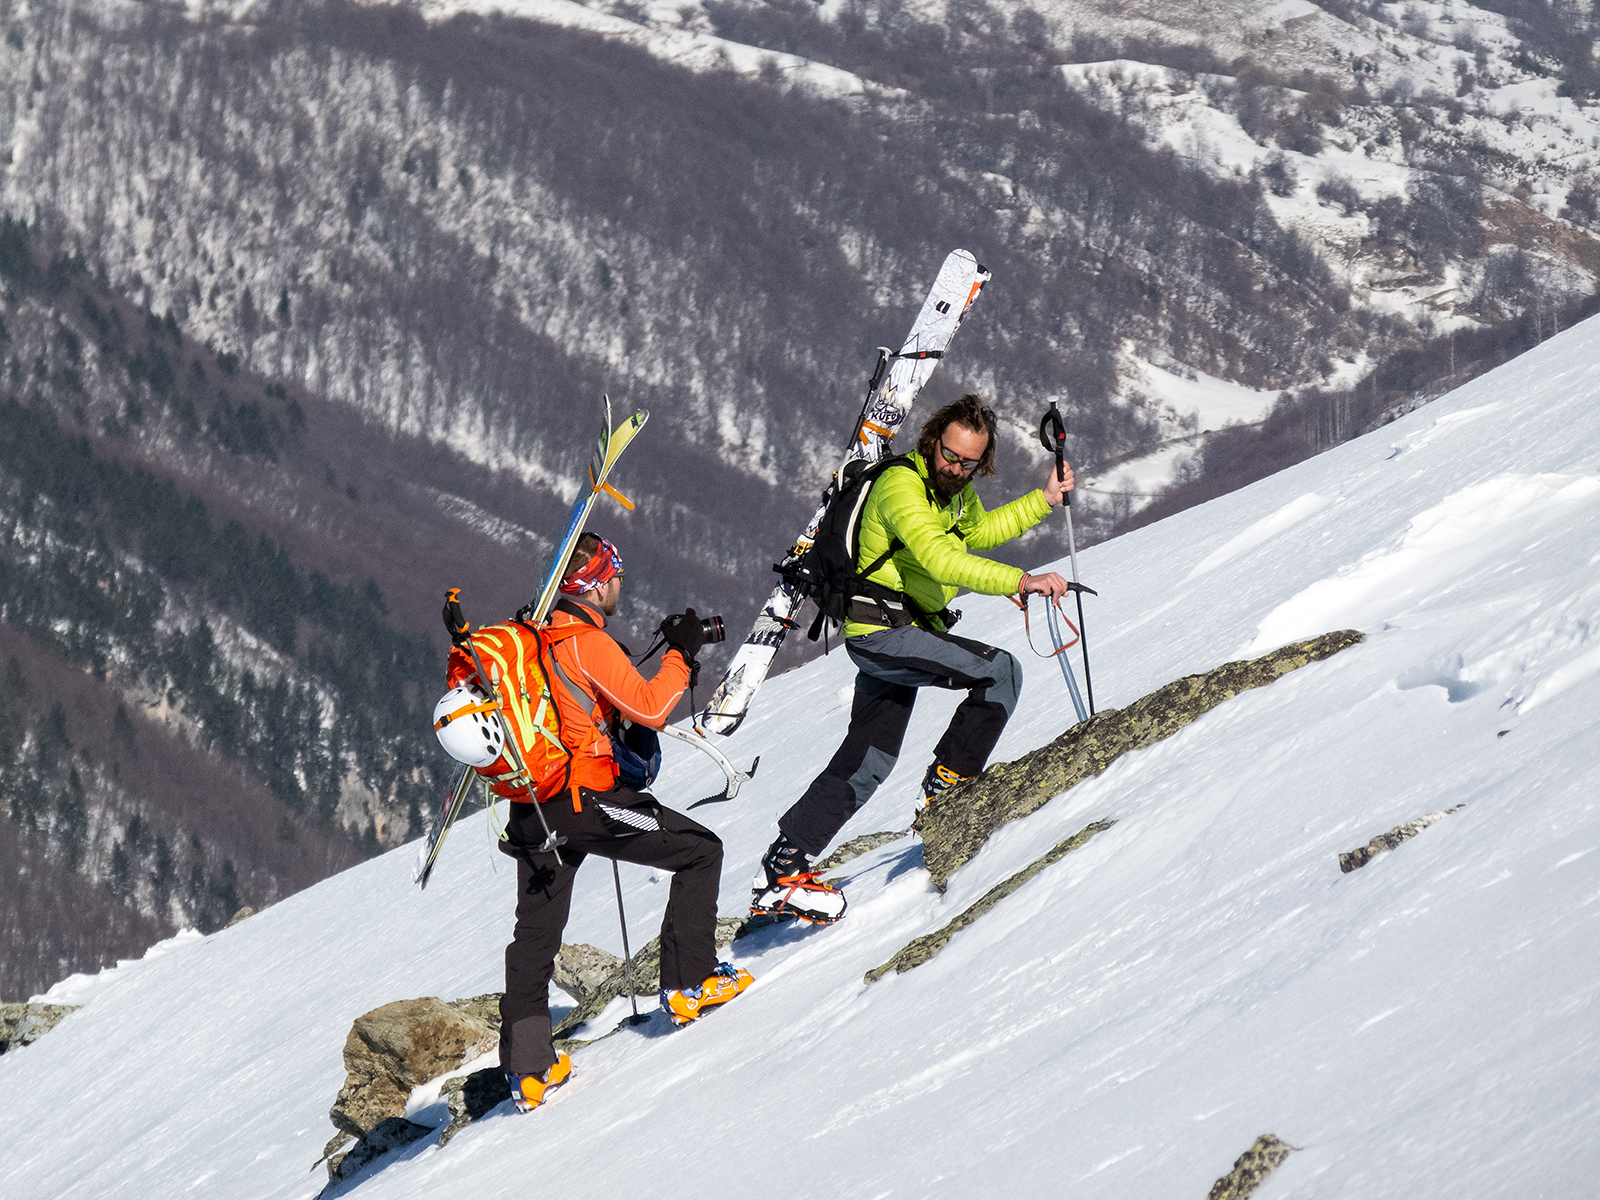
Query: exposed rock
[[392, 1049], [1362, 855], [335, 1143], [1250, 1169], [857, 846], [23, 1024], [389, 1134], [923, 948], [646, 976], [471, 1096], [485, 1008], [581, 968], [960, 820], [239, 916]]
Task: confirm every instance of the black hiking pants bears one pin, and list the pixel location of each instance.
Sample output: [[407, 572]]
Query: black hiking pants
[[894, 663], [630, 827]]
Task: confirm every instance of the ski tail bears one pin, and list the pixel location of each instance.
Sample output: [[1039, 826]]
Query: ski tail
[[428, 852]]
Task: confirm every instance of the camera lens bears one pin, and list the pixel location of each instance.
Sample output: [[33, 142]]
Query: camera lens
[[712, 627]]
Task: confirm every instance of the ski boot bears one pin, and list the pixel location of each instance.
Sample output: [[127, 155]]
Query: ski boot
[[938, 779], [787, 887], [529, 1091], [723, 984]]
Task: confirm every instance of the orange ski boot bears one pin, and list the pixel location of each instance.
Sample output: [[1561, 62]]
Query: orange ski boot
[[529, 1091], [723, 984]]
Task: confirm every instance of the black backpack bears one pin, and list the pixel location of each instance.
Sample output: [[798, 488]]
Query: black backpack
[[826, 572]]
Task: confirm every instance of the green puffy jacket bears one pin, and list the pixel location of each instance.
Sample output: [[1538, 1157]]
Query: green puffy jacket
[[933, 562]]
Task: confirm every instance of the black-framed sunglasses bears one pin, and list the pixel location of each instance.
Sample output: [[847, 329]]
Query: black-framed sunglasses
[[967, 464]]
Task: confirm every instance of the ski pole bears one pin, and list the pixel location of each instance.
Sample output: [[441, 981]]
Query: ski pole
[[456, 623], [627, 955], [1053, 436], [1078, 590], [1066, 667]]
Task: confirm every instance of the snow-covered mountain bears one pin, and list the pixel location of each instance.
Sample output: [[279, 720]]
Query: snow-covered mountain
[[1128, 1022]]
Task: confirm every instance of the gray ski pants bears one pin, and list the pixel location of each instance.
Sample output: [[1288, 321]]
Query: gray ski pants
[[893, 664]]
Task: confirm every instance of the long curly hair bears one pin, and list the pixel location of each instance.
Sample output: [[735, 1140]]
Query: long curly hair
[[969, 411]]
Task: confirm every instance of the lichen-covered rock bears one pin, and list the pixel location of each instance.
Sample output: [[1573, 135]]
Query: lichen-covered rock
[[394, 1048], [485, 1008], [469, 1097], [646, 977], [919, 951], [23, 1024], [1250, 1168], [388, 1134], [857, 846], [1362, 855], [580, 968], [960, 820]]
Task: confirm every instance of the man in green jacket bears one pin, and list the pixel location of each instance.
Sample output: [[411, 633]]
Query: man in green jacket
[[920, 523]]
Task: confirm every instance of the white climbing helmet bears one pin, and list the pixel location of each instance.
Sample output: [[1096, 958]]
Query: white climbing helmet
[[468, 731]]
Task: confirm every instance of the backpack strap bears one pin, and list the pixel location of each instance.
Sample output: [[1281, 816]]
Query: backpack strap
[[546, 638]]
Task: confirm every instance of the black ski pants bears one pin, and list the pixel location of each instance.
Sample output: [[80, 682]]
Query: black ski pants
[[630, 827], [894, 663]]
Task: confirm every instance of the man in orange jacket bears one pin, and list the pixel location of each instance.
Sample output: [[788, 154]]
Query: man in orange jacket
[[595, 686]]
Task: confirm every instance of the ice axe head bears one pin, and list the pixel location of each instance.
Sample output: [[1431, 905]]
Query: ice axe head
[[453, 620]]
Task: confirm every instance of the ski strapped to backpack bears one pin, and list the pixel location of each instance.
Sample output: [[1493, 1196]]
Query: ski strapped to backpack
[[897, 378]]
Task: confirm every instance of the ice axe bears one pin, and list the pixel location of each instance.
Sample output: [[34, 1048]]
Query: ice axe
[[1053, 436]]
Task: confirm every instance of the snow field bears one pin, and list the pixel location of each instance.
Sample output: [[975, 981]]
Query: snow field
[[1125, 1024]]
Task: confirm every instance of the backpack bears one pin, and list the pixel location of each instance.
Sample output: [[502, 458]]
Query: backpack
[[825, 571], [515, 651]]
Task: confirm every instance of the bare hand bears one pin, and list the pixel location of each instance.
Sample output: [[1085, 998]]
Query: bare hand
[[1050, 584], [1055, 489]]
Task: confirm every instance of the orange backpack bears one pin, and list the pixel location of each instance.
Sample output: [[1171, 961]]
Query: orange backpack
[[520, 659]]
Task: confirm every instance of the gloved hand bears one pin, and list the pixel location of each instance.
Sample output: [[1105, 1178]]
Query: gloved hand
[[683, 633]]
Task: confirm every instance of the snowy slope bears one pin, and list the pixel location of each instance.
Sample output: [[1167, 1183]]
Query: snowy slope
[[1128, 1022]]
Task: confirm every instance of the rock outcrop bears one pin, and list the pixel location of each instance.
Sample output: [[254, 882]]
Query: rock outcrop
[[23, 1024], [1250, 1169], [1359, 857], [580, 968], [388, 1134], [958, 822], [472, 1096], [397, 1046], [858, 846], [923, 948]]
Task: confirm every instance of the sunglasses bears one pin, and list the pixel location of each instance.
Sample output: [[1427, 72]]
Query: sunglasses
[[967, 464]]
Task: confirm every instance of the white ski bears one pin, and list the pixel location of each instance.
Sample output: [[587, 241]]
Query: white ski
[[957, 286]]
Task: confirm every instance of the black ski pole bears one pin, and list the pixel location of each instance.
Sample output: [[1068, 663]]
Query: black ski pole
[[627, 955], [456, 623], [1053, 435]]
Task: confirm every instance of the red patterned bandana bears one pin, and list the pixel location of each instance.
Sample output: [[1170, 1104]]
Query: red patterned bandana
[[605, 563]]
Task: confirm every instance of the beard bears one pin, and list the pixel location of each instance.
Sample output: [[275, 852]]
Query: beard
[[947, 487]]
